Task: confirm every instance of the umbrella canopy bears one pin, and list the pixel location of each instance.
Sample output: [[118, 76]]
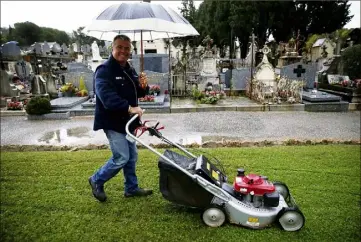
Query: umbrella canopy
[[140, 21]]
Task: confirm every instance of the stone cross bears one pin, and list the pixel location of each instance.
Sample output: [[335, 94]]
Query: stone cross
[[265, 50], [299, 70]]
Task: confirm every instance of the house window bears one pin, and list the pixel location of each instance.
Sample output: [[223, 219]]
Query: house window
[[149, 51]]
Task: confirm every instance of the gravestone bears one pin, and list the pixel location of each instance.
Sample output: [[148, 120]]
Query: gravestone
[[12, 67], [152, 62], [208, 72], [265, 72], [300, 71], [333, 79], [66, 103], [319, 96], [156, 78], [11, 51], [46, 48], [71, 49], [88, 49], [238, 77], [38, 49], [51, 84], [76, 71], [38, 85], [56, 49], [23, 69], [65, 49], [75, 47], [248, 59], [7, 88], [238, 48], [320, 101], [96, 52], [101, 50]]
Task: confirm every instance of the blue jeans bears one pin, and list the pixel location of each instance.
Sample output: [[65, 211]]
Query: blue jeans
[[124, 157]]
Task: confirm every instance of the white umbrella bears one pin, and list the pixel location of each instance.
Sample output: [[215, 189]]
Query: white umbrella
[[140, 21], [150, 35]]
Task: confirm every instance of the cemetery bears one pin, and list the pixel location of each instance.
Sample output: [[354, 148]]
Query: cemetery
[[221, 79], [64, 75]]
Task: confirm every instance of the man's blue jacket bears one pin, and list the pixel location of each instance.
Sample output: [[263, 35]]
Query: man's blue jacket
[[116, 89]]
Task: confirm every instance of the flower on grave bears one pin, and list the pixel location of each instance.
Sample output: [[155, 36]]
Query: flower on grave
[[15, 105], [82, 93], [345, 83], [154, 89], [147, 98], [69, 87], [357, 83]]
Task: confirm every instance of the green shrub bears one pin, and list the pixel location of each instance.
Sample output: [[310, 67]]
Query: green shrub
[[351, 59], [38, 106], [197, 94]]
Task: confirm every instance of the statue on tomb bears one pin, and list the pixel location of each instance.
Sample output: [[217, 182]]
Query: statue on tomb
[[207, 42], [291, 45], [95, 52], [237, 48]]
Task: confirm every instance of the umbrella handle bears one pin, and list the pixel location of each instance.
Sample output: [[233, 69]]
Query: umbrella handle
[[141, 52]]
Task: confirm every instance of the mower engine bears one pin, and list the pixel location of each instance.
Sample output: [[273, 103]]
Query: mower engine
[[255, 189]]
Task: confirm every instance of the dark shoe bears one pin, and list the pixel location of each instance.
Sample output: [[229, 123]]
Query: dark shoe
[[98, 191], [139, 193]]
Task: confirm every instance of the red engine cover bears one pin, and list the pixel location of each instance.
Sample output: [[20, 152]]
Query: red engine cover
[[253, 183]]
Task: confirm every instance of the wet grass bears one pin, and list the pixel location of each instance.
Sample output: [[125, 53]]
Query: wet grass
[[45, 196]]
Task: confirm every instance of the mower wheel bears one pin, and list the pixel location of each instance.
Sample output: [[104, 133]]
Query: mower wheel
[[214, 216], [292, 220], [282, 189]]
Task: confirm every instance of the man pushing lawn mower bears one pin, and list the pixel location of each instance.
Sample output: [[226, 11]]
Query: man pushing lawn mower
[[198, 181], [117, 90], [252, 200]]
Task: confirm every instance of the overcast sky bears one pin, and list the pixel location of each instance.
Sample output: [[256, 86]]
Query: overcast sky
[[69, 15]]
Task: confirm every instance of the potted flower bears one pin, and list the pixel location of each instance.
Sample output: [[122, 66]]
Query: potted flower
[[14, 105], [68, 89], [82, 93], [154, 90]]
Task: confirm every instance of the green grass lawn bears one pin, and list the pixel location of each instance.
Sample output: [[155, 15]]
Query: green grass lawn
[[45, 196]]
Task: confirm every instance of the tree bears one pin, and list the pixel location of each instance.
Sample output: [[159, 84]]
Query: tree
[[82, 39], [26, 33], [188, 11], [282, 19], [351, 61], [54, 35]]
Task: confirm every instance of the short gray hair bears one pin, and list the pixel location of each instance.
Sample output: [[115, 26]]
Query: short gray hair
[[121, 37]]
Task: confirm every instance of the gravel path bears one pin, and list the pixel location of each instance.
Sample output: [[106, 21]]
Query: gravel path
[[187, 128]]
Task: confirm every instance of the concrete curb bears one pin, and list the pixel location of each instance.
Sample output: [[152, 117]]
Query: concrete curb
[[241, 108], [208, 144]]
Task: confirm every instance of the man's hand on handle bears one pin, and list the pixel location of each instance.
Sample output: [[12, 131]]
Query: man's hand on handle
[[135, 110]]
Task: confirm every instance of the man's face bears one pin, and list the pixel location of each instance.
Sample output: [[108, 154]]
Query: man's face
[[121, 51]]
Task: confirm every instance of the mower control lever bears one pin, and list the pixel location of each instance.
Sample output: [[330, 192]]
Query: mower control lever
[[153, 131]]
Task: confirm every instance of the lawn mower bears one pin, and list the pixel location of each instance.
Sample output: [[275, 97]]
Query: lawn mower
[[199, 182]]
